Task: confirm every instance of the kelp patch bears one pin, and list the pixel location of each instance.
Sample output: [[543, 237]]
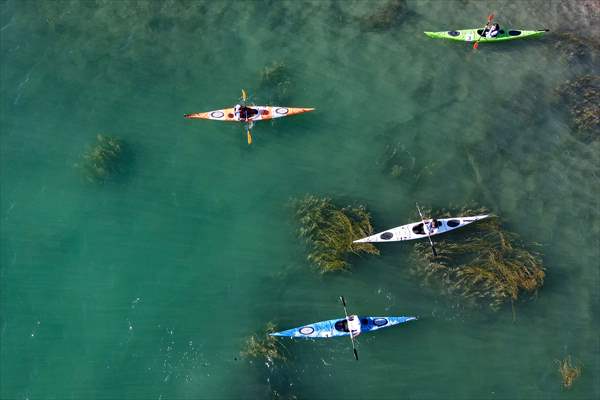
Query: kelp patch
[[264, 346], [568, 372], [104, 160], [484, 265], [384, 17], [330, 231], [582, 96], [276, 82]]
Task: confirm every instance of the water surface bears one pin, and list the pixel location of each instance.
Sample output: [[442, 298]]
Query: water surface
[[147, 287]]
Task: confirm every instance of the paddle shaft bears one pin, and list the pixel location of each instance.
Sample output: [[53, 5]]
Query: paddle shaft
[[427, 230], [248, 124], [351, 337]]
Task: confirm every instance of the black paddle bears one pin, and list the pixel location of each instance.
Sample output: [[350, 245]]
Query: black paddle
[[351, 337], [427, 230]]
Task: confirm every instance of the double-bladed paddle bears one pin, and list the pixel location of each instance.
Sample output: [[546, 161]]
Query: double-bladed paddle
[[488, 23], [347, 321], [248, 125]]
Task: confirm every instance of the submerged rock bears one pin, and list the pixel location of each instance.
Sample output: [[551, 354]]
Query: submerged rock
[[483, 264], [330, 231], [582, 96]]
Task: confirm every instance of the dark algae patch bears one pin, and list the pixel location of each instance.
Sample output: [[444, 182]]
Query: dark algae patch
[[384, 16], [582, 96], [330, 230], [577, 48], [568, 372], [104, 160], [276, 82], [400, 163], [484, 265]]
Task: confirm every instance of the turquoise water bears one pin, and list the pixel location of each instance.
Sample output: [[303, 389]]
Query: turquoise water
[[148, 286]]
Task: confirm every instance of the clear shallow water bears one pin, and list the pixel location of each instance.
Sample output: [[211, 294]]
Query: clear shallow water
[[147, 288]]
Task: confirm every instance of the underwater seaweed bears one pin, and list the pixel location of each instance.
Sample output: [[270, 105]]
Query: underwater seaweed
[[263, 345], [330, 231], [399, 163], [582, 96], [485, 266], [104, 159], [385, 17], [276, 82], [568, 372], [575, 47]]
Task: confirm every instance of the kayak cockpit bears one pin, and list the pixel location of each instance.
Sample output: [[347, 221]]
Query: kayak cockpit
[[342, 325], [502, 33], [244, 113], [480, 32], [418, 229]]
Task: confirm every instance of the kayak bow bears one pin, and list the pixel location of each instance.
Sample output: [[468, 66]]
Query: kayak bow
[[416, 230]]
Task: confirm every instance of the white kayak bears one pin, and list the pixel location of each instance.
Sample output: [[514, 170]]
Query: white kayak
[[416, 230]]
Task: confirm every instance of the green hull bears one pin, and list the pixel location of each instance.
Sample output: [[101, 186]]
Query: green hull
[[472, 35]]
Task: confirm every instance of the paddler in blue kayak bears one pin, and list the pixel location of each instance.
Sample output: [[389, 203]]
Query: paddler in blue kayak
[[354, 326]]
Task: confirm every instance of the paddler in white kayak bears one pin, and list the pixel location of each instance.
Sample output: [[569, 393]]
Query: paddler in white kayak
[[432, 226]]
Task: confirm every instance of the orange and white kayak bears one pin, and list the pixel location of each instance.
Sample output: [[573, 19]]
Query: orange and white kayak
[[256, 113]]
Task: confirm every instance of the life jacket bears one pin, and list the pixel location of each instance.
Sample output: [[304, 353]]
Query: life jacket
[[354, 326]]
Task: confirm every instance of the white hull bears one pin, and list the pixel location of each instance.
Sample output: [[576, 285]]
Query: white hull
[[416, 231]]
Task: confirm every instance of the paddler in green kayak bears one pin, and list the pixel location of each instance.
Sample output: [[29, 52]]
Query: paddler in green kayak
[[491, 32]]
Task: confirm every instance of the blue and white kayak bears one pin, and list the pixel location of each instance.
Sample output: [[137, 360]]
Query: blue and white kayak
[[339, 327], [416, 230]]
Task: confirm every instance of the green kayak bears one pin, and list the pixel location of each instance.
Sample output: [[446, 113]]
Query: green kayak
[[471, 35]]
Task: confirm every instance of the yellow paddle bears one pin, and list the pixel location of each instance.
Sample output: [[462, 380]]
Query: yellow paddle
[[249, 134]]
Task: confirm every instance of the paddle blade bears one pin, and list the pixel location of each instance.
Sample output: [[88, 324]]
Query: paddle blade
[[490, 18], [475, 45], [355, 354], [434, 252], [244, 95], [249, 137], [343, 301]]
